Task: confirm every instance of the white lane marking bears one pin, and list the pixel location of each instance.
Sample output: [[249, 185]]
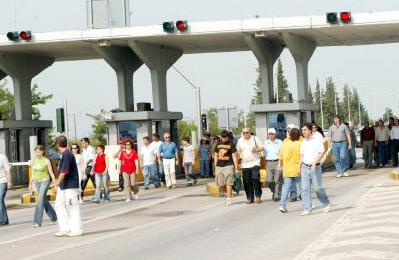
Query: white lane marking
[[367, 224], [118, 233], [361, 253], [117, 213], [386, 230], [374, 240]]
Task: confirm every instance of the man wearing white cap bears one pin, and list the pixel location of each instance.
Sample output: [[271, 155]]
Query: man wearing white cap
[[272, 148]]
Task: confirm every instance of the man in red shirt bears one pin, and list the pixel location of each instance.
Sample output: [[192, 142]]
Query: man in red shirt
[[367, 136]]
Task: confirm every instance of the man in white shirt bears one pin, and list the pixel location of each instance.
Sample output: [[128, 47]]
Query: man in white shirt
[[312, 150], [148, 157], [156, 144], [272, 150], [248, 147], [88, 154], [395, 142], [5, 184]]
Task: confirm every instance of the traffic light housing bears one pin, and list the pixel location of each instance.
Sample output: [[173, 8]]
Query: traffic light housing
[[182, 26], [346, 17], [168, 27], [332, 18], [25, 35], [60, 116], [13, 36], [204, 123]]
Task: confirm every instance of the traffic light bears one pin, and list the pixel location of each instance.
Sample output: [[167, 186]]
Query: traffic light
[[60, 116], [204, 123], [332, 18], [346, 17], [13, 36], [182, 25], [168, 27], [25, 35]]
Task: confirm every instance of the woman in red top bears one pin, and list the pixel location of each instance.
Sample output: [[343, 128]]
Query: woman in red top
[[129, 166], [101, 174]]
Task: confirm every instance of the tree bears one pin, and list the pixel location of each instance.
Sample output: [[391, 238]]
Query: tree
[[99, 131], [329, 108], [7, 102], [213, 121], [387, 114], [185, 128], [282, 93]]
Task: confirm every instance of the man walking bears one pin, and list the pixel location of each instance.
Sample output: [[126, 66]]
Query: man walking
[[147, 161], [382, 137], [88, 155], [67, 186], [367, 137], [272, 149], [5, 184], [352, 151], [225, 164], [311, 152], [170, 159], [395, 142], [341, 143], [248, 147], [156, 143]]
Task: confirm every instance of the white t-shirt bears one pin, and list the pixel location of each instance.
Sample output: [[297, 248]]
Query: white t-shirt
[[88, 154], [148, 153], [188, 154], [4, 167], [310, 148], [249, 158], [272, 149], [156, 146]]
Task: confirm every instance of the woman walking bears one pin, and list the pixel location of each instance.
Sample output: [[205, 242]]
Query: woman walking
[[289, 159], [41, 173], [129, 165], [101, 174], [79, 163], [5, 184]]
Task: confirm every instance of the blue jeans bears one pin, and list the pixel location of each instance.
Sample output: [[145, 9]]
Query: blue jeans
[[382, 152], [352, 153], [150, 171], [3, 210], [204, 168], [341, 156], [43, 203], [289, 182], [308, 177], [104, 178]]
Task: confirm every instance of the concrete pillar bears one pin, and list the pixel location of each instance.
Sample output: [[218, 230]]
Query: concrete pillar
[[22, 68], [124, 62], [266, 52], [158, 59], [302, 50]]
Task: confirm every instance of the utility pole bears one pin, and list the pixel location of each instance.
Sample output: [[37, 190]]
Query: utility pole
[[66, 118], [336, 109], [321, 109], [349, 108], [360, 115]]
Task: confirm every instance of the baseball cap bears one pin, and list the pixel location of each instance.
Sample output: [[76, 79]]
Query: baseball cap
[[271, 131], [290, 126], [224, 133]]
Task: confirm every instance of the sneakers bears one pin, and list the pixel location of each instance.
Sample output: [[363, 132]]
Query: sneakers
[[36, 225], [128, 200], [136, 196], [306, 213], [80, 200], [173, 186], [61, 234], [195, 181], [339, 175], [95, 201], [228, 202], [283, 210], [258, 200], [74, 234], [327, 208], [346, 174]]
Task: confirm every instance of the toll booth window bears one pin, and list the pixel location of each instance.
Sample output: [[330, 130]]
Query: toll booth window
[[277, 121], [128, 130]]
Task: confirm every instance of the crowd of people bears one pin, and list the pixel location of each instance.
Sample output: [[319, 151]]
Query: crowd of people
[[293, 166]]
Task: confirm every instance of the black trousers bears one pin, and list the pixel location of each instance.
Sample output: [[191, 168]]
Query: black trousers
[[88, 176], [121, 182], [252, 185], [395, 149]]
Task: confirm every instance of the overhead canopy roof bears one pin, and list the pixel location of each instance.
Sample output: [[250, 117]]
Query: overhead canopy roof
[[218, 36]]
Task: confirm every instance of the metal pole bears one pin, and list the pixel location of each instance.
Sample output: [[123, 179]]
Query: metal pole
[[74, 124], [227, 115], [14, 17], [360, 116], [66, 118], [349, 108], [243, 97], [321, 109], [336, 109]]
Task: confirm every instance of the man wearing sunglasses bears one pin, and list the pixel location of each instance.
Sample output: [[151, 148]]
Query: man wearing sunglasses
[[248, 147], [272, 150], [170, 159]]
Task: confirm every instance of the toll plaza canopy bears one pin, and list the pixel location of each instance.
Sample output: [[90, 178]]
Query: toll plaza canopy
[[217, 36]]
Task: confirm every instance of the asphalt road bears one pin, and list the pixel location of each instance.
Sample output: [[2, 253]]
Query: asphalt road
[[187, 223]]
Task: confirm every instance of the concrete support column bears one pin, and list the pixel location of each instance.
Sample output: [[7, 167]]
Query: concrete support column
[[124, 62], [266, 52], [22, 68], [158, 59], [302, 50]]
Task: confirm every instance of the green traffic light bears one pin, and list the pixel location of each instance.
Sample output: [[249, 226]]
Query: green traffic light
[[332, 18], [13, 36], [168, 26]]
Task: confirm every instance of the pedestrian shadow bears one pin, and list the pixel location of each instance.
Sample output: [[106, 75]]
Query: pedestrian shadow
[[197, 195], [333, 209], [104, 231]]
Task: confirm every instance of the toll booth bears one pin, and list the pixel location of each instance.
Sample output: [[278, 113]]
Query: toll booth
[[279, 115], [14, 143]]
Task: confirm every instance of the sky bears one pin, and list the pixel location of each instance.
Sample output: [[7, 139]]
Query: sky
[[224, 78]]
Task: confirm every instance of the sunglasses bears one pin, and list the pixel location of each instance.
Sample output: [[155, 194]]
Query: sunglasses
[[167, 137], [245, 132], [74, 148]]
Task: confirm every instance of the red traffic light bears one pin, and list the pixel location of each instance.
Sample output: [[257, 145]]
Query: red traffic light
[[345, 17], [182, 25], [25, 35]]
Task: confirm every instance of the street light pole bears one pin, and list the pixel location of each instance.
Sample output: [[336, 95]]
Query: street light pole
[[321, 109], [197, 99], [349, 108]]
